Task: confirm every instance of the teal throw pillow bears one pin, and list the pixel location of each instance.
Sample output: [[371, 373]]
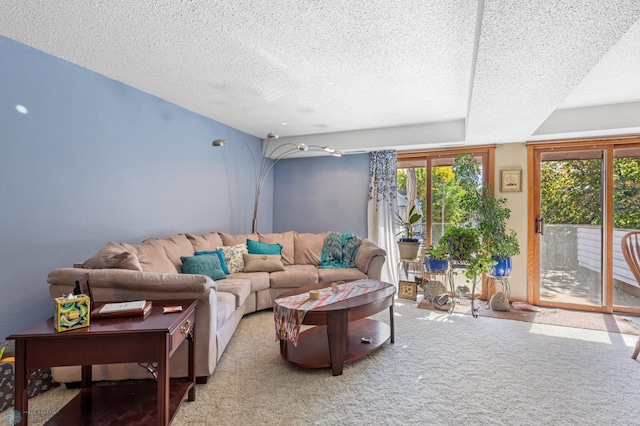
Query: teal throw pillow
[[204, 264], [220, 256], [256, 247]]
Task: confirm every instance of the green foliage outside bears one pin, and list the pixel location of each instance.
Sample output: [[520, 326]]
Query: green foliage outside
[[626, 200], [571, 192], [579, 206], [475, 219], [453, 192]]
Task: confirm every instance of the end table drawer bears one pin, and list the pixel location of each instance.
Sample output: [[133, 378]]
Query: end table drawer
[[182, 331]]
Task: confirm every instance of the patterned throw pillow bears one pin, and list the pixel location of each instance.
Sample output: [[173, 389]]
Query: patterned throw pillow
[[233, 257]]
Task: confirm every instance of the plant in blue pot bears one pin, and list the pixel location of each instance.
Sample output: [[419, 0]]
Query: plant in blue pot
[[503, 248], [489, 215], [436, 257], [501, 243]]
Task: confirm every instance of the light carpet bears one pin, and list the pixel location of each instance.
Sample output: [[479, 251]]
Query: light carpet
[[442, 370], [616, 323]]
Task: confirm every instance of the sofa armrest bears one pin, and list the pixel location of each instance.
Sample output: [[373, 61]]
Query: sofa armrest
[[367, 252], [121, 284]]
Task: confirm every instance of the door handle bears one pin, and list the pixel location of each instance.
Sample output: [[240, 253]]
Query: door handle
[[540, 226]]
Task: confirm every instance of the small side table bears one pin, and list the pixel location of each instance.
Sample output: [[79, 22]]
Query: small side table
[[108, 341], [409, 265]]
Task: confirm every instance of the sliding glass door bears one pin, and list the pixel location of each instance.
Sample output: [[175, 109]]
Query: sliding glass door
[[570, 228], [586, 197]]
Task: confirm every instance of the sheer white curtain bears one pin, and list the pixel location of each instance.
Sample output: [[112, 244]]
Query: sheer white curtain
[[381, 209], [412, 190]]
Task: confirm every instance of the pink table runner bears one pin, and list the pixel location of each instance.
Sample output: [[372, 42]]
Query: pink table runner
[[289, 312]]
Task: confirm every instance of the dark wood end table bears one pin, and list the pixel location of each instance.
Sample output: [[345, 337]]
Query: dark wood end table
[[151, 339]]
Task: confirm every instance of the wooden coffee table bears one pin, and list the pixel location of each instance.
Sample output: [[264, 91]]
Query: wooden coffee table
[[339, 329], [152, 339]]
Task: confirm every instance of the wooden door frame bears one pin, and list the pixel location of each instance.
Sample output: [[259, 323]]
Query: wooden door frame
[[534, 152]]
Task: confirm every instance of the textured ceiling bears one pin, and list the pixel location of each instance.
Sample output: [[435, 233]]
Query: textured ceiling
[[438, 72]]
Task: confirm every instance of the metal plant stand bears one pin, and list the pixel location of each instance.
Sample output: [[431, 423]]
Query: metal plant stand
[[492, 280], [460, 265]]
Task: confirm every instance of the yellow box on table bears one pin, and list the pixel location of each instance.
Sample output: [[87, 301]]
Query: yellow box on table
[[72, 313]]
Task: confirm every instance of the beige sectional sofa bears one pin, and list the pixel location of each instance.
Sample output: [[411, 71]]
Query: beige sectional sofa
[[152, 270]]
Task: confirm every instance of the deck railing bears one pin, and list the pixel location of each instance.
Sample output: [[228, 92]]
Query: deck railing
[[565, 247]]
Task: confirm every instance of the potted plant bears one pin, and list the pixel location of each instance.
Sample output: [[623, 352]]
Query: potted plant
[[489, 215], [503, 249], [462, 242], [466, 250], [407, 244], [436, 257]]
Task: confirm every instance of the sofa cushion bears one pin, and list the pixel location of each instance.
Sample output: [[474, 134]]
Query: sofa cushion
[[176, 246], [259, 280], [262, 263], [233, 257], [287, 240], [308, 248], [340, 274], [232, 240], [113, 255], [204, 264], [220, 256], [152, 256], [226, 304], [294, 276], [240, 288], [205, 242]]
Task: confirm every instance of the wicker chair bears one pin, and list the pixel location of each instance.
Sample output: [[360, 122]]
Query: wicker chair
[[631, 251]]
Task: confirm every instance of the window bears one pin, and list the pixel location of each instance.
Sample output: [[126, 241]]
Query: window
[[436, 193]]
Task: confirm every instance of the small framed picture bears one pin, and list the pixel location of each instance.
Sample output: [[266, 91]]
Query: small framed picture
[[82, 286], [511, 180], [408, 290]]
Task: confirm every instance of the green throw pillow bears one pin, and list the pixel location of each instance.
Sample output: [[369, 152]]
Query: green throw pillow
[[256, 247], [203, 264], [220, 256]]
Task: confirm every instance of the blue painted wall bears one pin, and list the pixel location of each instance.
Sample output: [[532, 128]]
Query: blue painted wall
[[95, 161], [321, 194]]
